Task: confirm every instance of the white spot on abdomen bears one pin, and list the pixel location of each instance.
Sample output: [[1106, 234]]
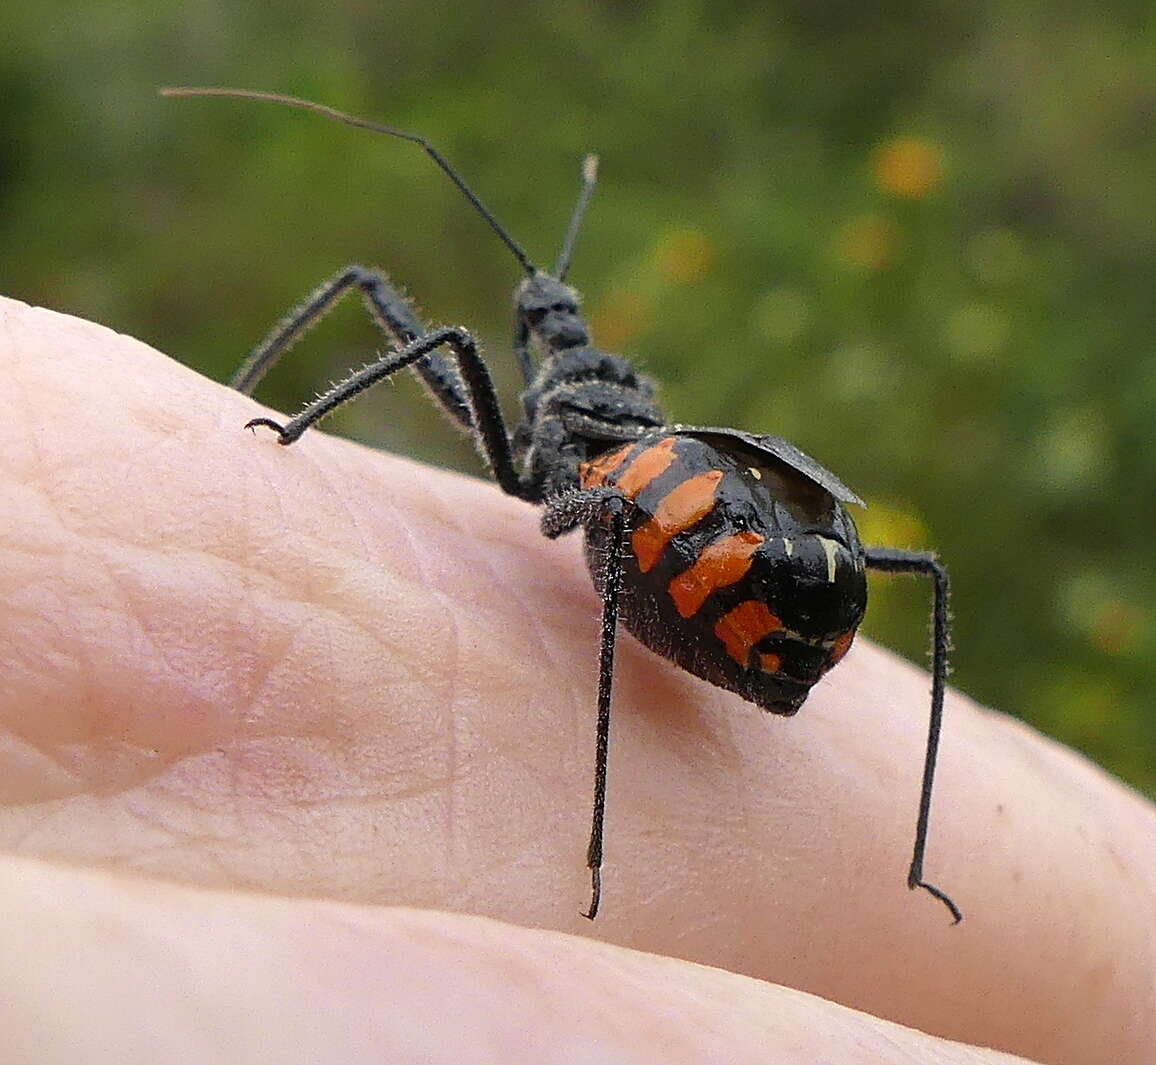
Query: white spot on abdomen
[[831, 550]]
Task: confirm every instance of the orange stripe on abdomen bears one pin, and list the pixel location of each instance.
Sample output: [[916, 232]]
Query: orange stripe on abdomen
[[722, 563], [683, 506], [647, 468], [593, 474], [740, 629]]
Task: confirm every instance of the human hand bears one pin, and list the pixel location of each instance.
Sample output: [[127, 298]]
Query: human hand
[[257, 696]]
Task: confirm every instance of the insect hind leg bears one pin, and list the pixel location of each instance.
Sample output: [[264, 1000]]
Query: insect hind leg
[[889, 560]]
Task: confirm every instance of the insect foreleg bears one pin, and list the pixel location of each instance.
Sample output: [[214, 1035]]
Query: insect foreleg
[[492, 436], [389, 310]]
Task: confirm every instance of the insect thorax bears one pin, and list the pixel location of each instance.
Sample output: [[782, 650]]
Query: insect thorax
[[582, 403]]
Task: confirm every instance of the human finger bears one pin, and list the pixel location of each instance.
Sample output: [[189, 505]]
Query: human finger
[[321, 670], [104, 968]]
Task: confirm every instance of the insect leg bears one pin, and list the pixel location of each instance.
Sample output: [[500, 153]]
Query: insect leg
[[389, 310], [486, 415], [561, 515], [888, 560]]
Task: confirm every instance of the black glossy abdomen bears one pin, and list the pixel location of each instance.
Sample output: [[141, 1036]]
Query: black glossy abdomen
[[739, 568]]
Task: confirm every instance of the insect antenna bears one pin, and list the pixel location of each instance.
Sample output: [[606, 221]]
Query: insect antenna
[[589, 180], [376, 127]]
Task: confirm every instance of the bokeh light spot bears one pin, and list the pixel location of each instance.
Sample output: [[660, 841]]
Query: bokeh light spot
[[1091, 604], [684, 256], [858, 372], [910, 167], [997, 256], [976, 333], [1072, 453], [868, 242], [621, 317], [783, 315]]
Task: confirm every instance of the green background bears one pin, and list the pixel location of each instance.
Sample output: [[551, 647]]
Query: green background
[[920, 242]]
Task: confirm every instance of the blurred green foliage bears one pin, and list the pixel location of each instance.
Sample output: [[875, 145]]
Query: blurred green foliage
[[918, 239]]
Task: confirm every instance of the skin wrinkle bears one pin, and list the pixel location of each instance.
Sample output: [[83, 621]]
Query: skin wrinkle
[[23, 757], [481, 554], [165, 823], [74, 659], [220, 848], [358, 799], [199, 841], [155, 653], [511, 590], [236, 821], [53, 552], [339, 490], [37, 816], [453, 723], [253, 819], [581, 702], [493, 865], [448, 705], [39, 744], [127, 599], [259, 667], [201, 800], [450, 716], [242, 751], [48, 836], [11, 320], [315, 613], [541, 647], [273, 656], [260, 495]]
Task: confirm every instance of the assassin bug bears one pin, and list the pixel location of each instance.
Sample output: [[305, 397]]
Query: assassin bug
[[729, 553]]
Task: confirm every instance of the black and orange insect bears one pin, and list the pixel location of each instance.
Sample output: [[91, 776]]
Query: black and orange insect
[[729, 553]]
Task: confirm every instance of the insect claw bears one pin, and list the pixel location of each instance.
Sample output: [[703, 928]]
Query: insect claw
[[268, 423], [943, 897]]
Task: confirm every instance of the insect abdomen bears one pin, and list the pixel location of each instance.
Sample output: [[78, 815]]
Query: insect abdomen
[[739, 569]]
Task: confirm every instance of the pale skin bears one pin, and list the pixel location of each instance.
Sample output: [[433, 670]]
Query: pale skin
[[296, 760]]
